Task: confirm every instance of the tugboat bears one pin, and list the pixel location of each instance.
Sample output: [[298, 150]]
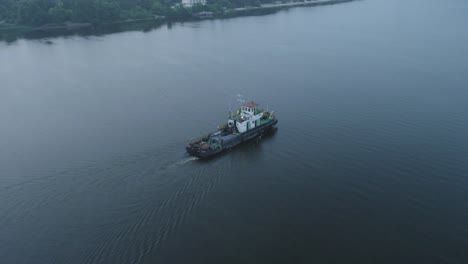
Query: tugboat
[[247, 123]]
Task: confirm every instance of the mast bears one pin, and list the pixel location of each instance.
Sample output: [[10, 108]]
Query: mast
[[240, 99]]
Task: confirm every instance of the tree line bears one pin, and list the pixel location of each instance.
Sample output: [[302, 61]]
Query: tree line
[[41, 12]]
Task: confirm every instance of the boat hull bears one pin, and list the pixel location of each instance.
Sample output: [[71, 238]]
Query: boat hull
[[246, 136]]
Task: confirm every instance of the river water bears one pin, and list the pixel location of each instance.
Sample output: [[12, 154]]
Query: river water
[[369, 163]]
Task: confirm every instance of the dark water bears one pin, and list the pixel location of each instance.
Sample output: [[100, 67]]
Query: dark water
[[369, 164]]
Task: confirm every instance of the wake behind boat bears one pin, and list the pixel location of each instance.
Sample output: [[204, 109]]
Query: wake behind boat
[[249, 122]]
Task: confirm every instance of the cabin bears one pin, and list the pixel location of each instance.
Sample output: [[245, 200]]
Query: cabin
[[249, 117], [249, 108]]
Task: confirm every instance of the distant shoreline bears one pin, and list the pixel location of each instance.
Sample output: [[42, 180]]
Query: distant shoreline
[[293, 4], [19, 31]]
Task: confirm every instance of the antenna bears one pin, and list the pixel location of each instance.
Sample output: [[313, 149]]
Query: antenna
[[240, 99]]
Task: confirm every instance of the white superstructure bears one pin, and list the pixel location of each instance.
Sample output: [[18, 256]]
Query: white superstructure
[[248, 118], [193, 2]]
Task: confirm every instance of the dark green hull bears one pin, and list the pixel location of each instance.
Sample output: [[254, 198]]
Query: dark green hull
[[230, 141]]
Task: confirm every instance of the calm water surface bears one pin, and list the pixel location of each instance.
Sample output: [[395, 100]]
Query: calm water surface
[[369, 164]]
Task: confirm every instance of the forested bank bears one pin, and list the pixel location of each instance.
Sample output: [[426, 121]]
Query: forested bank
[[42, 12]]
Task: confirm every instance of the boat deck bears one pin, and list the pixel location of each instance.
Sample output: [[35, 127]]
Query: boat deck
[[264, 121]]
